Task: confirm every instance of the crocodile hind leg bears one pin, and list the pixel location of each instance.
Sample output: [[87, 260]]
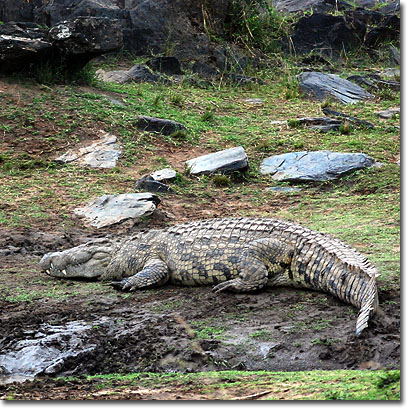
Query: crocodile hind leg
[[154, 273], [261, 261]]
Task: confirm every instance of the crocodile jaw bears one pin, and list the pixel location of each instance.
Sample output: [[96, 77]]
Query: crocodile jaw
[[86, 261]]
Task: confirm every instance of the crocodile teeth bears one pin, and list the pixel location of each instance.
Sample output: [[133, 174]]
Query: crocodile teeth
[[48, 271], [64, 271]]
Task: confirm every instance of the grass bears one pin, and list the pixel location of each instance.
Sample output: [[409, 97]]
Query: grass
[[311, 385]]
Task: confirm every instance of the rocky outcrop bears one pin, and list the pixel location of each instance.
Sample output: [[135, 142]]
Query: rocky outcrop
[[68, 45], [168, 27]]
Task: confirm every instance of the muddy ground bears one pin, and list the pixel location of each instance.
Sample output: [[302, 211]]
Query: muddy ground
[[88, 328]]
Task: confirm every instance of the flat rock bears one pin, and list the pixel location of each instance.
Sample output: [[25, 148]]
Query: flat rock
[[323, 86], [313, 166], [163, 126], [165, 174], [111, 209], [283, 189], [387, 114], [101, 154], [137, 74], [228, 160]]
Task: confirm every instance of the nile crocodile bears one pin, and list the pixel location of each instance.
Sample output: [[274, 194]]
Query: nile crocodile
[[239, 254]]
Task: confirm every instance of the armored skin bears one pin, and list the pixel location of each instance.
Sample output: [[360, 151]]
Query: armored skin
[[238, 254]]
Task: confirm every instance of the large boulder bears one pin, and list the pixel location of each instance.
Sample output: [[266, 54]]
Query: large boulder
[[68, 45], [84, 38], [313, 166]]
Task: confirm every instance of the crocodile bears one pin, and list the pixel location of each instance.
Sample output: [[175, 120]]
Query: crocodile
[[237, 254]]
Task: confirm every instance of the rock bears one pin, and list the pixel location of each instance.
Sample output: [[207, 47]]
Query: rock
[[164, 127], [101, 154], [111, 209], [375, 81], [81, 39], [294, 6], [165, 174], [323, 86], [322, 124], [342, 116], [283, 189], [253, 101], [149, 27], [148, 183], [324, 34], [68, 45], [167, 65], [137, 73], [308, 166], [391, 72], [226, 161], [21, 45], [387, 114]]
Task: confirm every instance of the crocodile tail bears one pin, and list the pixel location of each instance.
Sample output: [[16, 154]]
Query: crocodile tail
[[370, 304]]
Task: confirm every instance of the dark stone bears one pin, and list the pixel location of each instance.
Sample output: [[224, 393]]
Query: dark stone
[[167, 65], [323, 86], [148, 183], [148, 26], [325, 34], [340, 115], [164, 127], [19, 47], [80, 40], [69, 45]]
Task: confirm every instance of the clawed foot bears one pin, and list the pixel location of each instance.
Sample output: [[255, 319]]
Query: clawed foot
[[228, 285], [124, 285]]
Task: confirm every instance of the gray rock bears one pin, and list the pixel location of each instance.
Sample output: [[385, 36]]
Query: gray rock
[[387, 114], [101, 154], [293, 6], [313, 166], [148, 183], [283, 189], [322, 124], [323, 86], [228, 160], [111, 209], [253, 101], [391, 73], [137, 74], [163, 126], [165, 174]]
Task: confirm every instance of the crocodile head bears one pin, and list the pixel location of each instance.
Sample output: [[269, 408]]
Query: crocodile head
[[86, 261]]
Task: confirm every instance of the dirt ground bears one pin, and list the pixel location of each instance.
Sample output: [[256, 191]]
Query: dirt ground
[[90, 329]]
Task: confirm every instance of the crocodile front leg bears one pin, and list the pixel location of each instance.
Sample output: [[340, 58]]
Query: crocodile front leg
[[154, 273], [262, 260]]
